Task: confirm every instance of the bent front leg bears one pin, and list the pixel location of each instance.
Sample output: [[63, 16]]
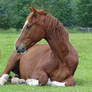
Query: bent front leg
[[70, 81], [38, 78], [9, 67], [16, 80], [11, 62]]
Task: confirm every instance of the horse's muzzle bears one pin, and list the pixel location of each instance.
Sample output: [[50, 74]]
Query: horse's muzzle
[[20, 49]]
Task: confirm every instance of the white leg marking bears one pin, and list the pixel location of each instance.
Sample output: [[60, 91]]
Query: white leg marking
[[32, 82], [21, 81], [55, 83], [16, 80], [4, 79]]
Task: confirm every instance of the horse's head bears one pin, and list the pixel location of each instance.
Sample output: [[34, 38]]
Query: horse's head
[[32, 32]]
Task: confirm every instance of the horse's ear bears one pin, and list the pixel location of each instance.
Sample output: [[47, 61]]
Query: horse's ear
[[32, 9]]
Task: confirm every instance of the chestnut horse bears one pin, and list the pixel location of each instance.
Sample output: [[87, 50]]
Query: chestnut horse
[[57, 61]]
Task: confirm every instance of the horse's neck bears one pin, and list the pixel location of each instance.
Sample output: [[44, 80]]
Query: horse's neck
[[59, 43]]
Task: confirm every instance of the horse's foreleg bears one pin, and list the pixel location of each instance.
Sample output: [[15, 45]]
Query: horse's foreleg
[[55, 83], [16, 70], [38, 78], [69, 81], [11, 62], [10, 65], [16, 80]]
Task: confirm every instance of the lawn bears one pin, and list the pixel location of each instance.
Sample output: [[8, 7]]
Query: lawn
[[83, 75]]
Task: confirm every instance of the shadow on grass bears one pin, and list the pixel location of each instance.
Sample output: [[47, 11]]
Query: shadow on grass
[[80, 82], [83, 82]]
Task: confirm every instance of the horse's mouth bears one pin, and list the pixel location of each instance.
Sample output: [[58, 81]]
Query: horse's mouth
[[20, 50]]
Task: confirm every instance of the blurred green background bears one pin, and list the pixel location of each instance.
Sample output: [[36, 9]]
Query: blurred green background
[[70, 12]]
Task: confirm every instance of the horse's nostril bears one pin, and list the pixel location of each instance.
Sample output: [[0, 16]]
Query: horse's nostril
[[18, 51], [16, 47], [23, 48]]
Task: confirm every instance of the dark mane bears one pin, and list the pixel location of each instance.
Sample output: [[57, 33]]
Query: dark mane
[[56, 35], [54, 26]]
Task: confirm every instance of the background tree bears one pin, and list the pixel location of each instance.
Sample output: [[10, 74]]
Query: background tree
[[13, 13], [84, 13], [4, 14]]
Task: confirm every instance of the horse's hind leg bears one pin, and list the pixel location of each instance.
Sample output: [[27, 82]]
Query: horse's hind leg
[[38, 78], [68, 82], [55, 83]]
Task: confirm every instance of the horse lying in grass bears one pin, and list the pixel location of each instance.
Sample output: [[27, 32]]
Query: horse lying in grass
[[38, 63]]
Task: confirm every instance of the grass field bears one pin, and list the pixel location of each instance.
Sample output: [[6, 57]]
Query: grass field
[[83, 76]]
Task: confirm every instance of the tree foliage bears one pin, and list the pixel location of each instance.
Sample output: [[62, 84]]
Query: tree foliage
[[84, 13], [13, 13]]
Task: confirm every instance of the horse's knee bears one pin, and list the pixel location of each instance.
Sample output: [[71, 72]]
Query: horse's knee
[[42, 77], [69, 81]]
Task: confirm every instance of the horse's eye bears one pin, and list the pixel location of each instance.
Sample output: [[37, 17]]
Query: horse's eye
[[28, 27]]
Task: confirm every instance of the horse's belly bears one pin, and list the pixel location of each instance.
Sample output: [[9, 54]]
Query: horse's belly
[[32, 59]]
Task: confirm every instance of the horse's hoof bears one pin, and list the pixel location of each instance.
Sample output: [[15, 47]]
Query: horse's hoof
[[2, 81], [5, 76], [16, 80], [32, 82], [21, 81]]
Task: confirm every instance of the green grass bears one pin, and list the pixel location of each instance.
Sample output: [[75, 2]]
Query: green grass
[[83, 76]]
